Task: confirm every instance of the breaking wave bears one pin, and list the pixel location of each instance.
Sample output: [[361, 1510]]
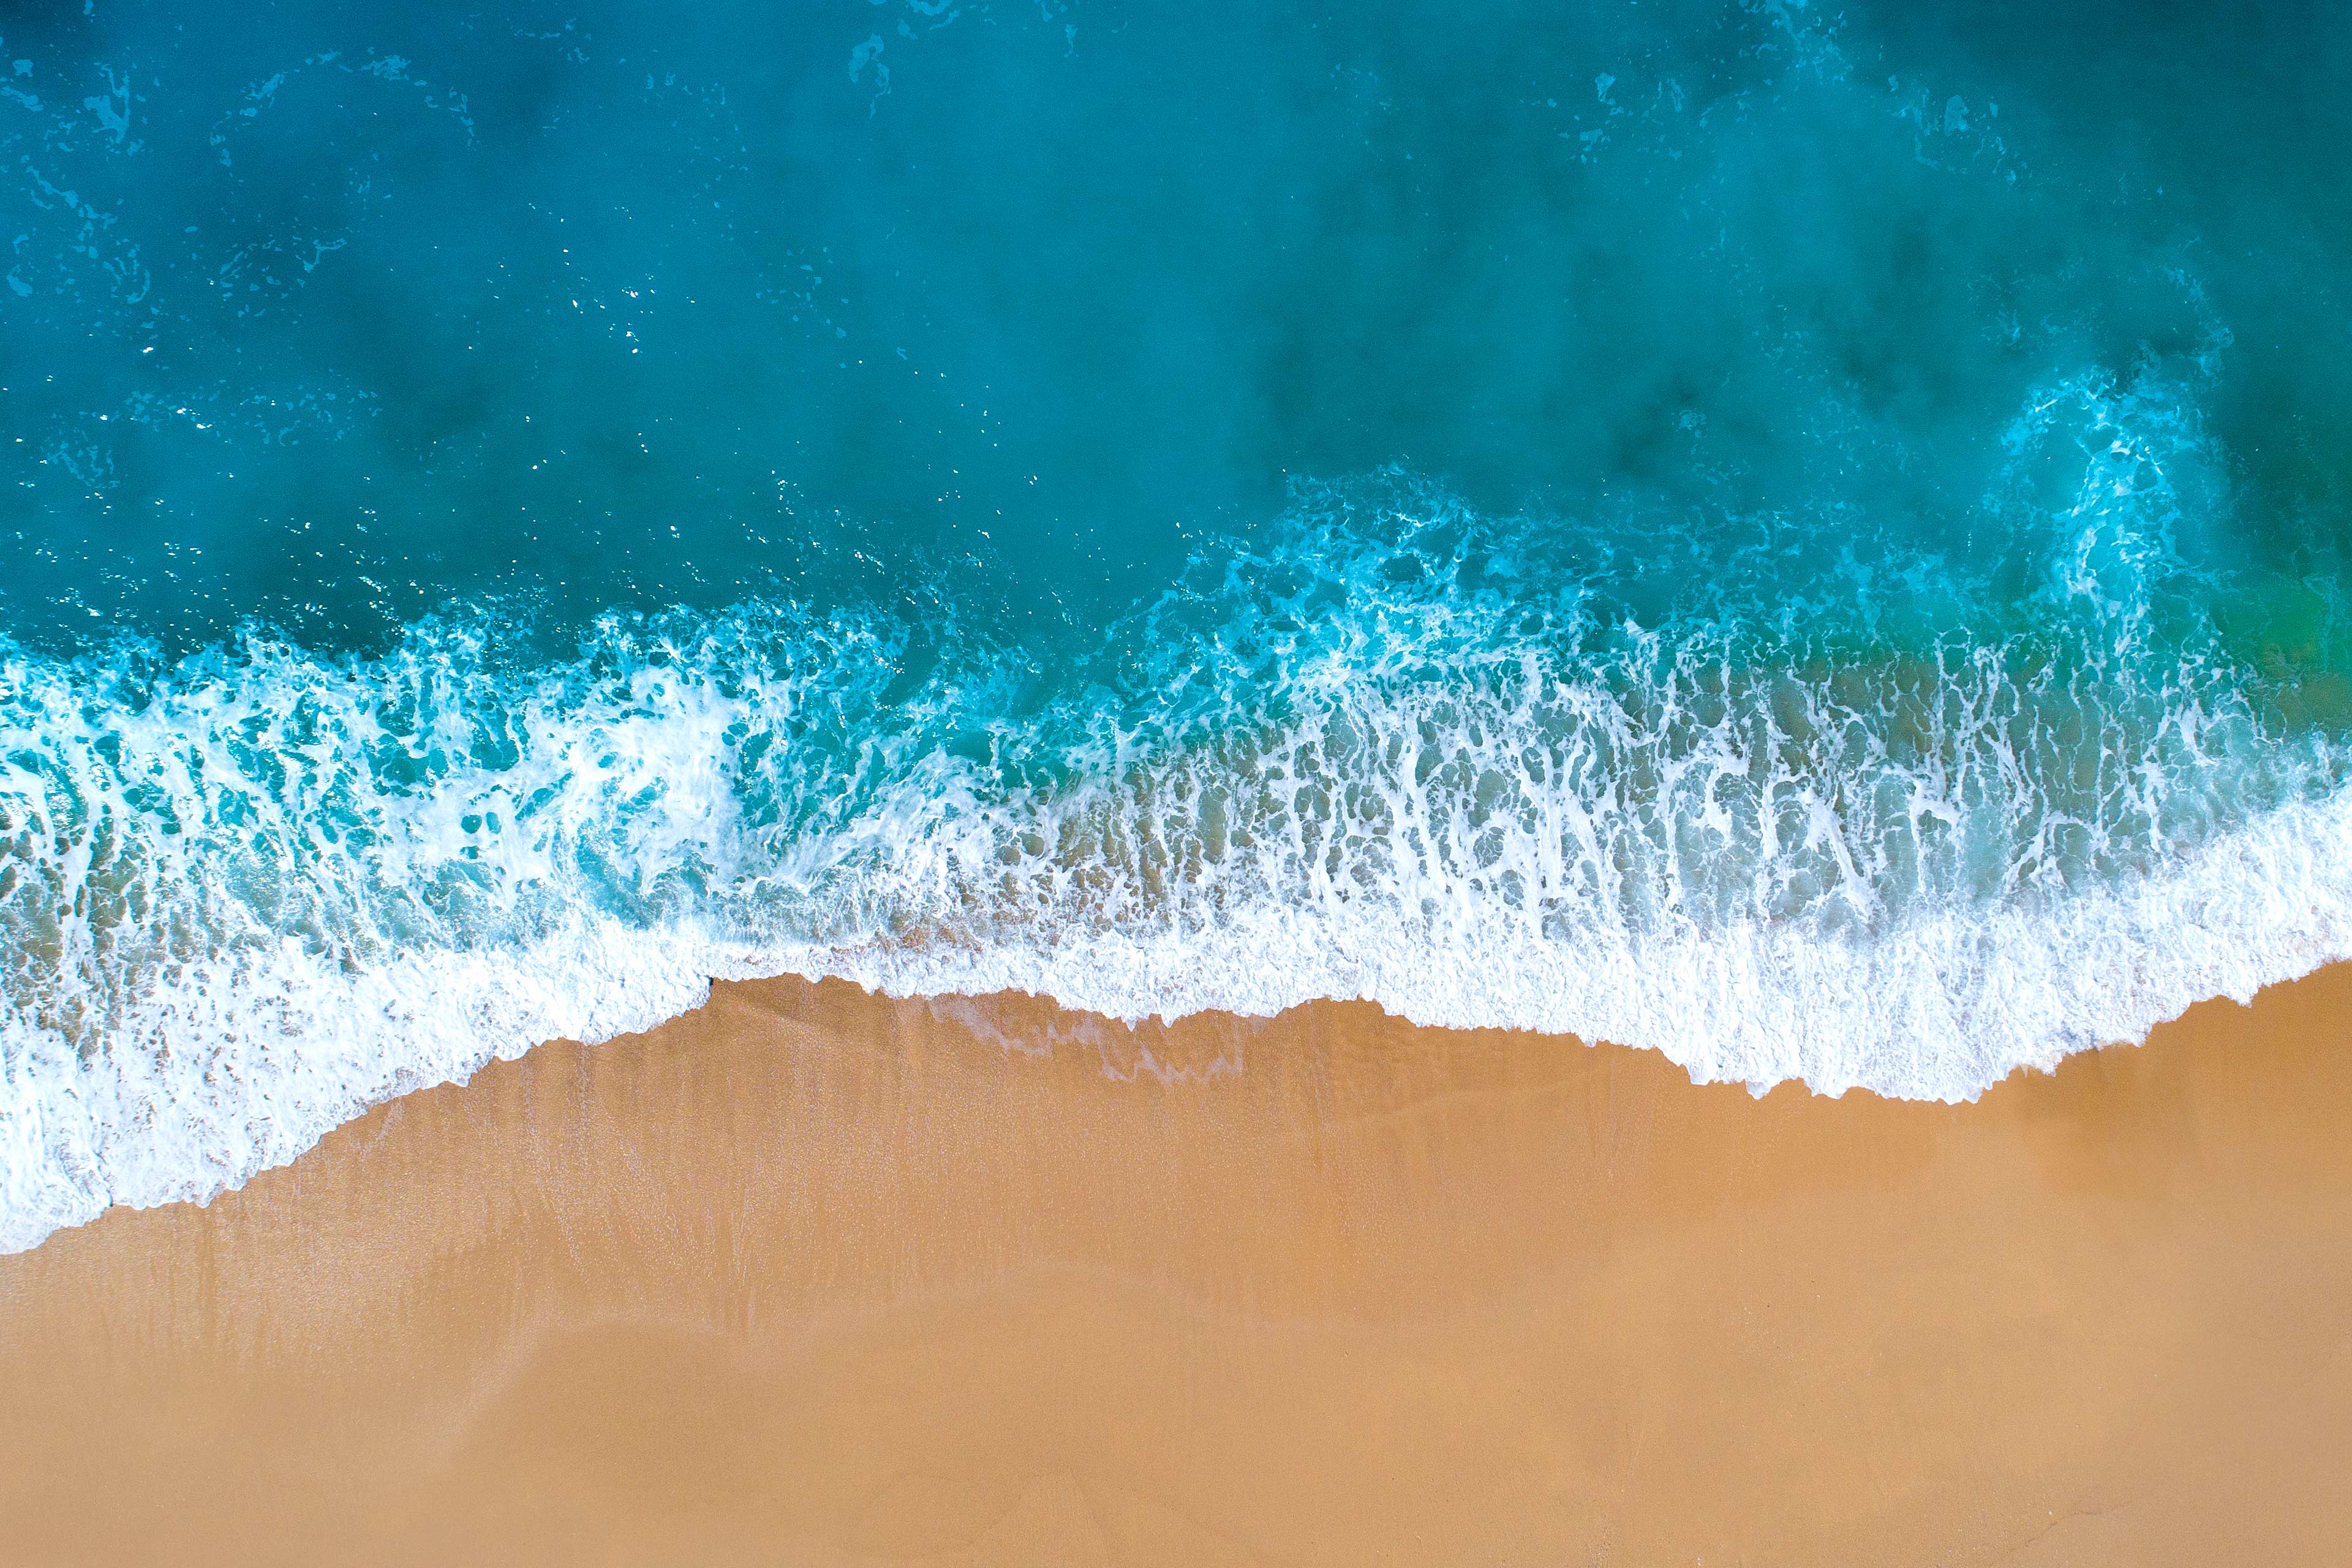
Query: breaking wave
[[1780, 796]]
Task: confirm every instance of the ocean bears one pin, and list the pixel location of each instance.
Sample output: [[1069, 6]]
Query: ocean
[[1809, 539]]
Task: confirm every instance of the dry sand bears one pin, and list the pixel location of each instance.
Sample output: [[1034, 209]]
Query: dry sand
[[812, 1278]]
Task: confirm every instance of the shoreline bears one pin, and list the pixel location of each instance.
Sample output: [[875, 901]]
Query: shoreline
[[812, 1275], [203, 1084]]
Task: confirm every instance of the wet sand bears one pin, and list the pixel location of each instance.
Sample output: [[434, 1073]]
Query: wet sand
[[814, 1277]]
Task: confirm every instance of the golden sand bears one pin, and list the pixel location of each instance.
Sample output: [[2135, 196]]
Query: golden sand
[[812, 1278]]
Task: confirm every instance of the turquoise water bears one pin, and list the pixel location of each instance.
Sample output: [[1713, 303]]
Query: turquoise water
[[1812, 542]]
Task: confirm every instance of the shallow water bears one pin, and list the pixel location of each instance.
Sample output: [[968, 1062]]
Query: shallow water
[[1810, 541]]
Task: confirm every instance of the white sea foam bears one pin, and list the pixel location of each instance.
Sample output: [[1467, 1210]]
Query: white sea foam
[[261, 922], [236, 1065], [1774, 797]]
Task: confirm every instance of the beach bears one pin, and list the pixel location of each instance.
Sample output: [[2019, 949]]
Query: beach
[[811, 1277], [1237, 783]]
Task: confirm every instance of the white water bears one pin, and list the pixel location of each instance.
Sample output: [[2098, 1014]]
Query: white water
[[1480, 772], [241, 1065], [1322, 859]]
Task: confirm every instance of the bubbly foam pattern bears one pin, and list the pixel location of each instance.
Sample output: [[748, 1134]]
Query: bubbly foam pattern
[[1778, 797]]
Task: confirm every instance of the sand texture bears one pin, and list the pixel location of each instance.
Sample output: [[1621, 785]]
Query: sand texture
[[809, 1277]]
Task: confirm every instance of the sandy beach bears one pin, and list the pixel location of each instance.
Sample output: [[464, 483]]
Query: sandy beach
[[810, 1277]]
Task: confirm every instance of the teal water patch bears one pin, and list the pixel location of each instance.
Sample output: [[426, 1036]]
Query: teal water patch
[[324, 319], [1812, 544]]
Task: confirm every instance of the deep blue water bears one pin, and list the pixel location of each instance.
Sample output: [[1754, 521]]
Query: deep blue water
[[1809, 538]]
